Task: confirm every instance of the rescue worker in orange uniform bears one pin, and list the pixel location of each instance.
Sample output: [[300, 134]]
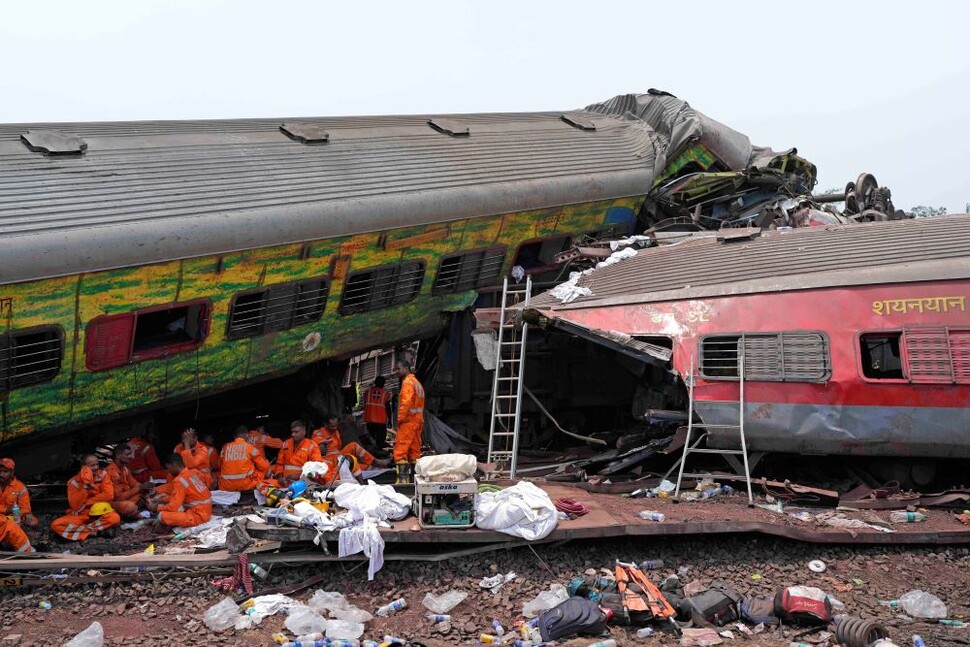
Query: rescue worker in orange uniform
[[13, 537], [259, 439], [14, 492], [189, 502], [377, 409], [297, 450], [195, 455], [89, 495], [410, 422], [331, 446], [215, 462], [243, 467], [127, 489], [144, 464]]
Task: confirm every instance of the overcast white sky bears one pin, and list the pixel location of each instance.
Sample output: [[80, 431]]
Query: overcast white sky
[[855, 86]]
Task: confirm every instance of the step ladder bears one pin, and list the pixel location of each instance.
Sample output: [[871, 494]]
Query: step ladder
[[508, 380], [704, 428]]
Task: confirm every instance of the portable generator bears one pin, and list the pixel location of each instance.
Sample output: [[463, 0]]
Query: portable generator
[[445, 505]]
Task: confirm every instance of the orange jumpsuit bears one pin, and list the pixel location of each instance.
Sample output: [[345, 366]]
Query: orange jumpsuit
[[12, 537], [198, 458], [289, 463], [410, 421], [145, 464], [243, 468], [261, 441], [126, 490], [84, 490], [14, 492], [335, 448], [190, 503]]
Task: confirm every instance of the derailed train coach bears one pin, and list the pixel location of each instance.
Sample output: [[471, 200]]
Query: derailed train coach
[[152, 263], [855, 338]]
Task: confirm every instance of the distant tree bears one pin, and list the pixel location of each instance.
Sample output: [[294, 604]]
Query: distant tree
[[923, 211], [968, 208]]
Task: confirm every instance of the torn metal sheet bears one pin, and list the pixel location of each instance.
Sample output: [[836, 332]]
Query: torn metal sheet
[[612, 339]]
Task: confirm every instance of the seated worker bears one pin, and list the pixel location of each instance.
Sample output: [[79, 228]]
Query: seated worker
[[144, 464], [12, 537], [259, 439], [195, 455], [297, 450], [127, 489], [243, 467], [187, 500], [331, 446], [14, 492], [215, 463], [89, 495]]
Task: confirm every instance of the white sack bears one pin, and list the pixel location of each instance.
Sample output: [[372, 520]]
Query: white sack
[[446, 467], [522, 510], [379, 502]]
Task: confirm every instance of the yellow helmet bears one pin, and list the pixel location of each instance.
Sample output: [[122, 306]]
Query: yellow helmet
[[100, 508]]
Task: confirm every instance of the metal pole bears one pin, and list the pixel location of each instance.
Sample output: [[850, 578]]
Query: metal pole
[[690, 425], [744, 447]]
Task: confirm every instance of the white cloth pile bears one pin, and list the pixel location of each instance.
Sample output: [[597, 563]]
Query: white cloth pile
[[522, 510], [571, 290], [368, 506]]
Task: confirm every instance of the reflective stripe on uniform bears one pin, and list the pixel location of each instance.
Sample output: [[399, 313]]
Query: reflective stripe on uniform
[[236, 477], [192, 504], [25, 548], [416, 411], [183, 482]]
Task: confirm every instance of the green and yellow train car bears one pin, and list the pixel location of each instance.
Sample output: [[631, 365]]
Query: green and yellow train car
[[149, 262]]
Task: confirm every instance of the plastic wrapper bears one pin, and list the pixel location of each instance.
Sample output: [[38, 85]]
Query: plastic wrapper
[[344, 629], [93, 636], [556, 595], [303, 620], [222, 615], [445, 602]]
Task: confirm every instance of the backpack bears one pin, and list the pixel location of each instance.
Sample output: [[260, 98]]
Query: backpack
[[759, 610], [717, 606], [573, 616], [805, 605]]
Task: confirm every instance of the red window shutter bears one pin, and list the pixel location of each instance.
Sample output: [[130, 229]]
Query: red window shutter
[[107, 343], [928, 356], [960, 352]]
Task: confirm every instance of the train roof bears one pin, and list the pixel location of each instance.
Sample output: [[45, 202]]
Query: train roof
[[730, 263], [81, 197]]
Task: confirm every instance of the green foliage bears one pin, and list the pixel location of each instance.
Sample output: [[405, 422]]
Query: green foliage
[[923, 211]]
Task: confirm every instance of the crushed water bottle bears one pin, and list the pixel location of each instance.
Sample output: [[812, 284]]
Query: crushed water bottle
[[435, 618], [901, 516], [391, 607], [651, 564], [646, 632], [918, 641], [651, 515]]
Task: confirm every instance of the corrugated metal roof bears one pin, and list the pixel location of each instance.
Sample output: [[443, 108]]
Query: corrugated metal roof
[[160, 190], [902, 250]]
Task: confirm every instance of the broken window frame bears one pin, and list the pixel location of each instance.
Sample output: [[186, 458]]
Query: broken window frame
[[490, 261], [539, 269], [382, 287], [280, 306], [126, 335], [928, 355], [44, 369], [769, 356]]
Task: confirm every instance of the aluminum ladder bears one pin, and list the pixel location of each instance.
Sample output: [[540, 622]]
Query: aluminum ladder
[[728, 454], [508, 380]]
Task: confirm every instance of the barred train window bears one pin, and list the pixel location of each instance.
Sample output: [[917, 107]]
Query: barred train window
[[30, 356], [277, 307], [382, 287], [769, 357], [469, 270], [930, 355]]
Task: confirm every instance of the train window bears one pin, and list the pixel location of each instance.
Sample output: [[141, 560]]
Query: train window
[[469, 270], [30, 356], [115, 340], [540, 254], [277, 307], [933, 355], [382, 287], [881, 357], [768, 357]]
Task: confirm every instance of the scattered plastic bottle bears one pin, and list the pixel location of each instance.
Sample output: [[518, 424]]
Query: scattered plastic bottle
[[497, 626], [918, 641], [952, 623], [603, 643], [646, 632], [650, 515], [489, 639], [316, 643], [901, 516], [44, 604], [523, 643], [339, 642], [393, 640], [282, 638], [258, 571], [651, 564], [391, 607], [894, 604], [370, 643], [435, 618], [15, 513], [797, 644], [713, 492]]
